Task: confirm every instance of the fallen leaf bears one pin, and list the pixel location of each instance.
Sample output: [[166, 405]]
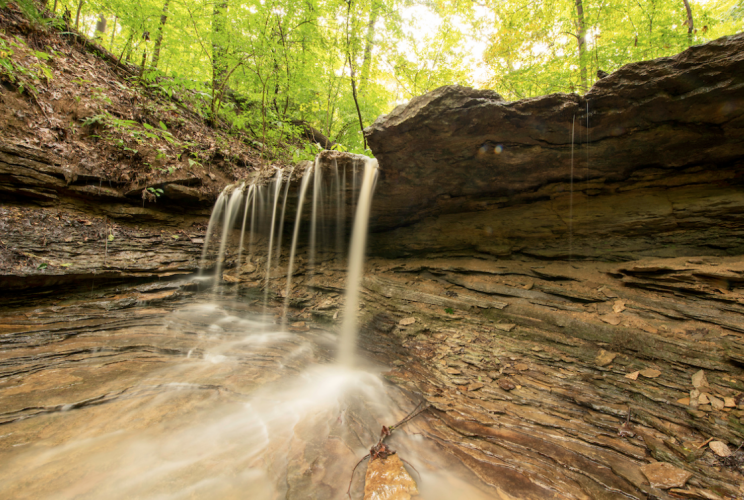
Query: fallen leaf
[[407, 321], [506, 384], [720, 448], [632, 376], [684, 401], [388, 478], [699, 380], [650, 373], [604, 358], [612, 319], [716, 403]]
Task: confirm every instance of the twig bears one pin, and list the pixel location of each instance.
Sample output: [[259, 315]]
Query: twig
[[422, 407], [365, 457], [411, 466], [706, 442], [380, 449]]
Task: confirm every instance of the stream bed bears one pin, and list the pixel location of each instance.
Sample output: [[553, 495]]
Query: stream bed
[[194, 395]]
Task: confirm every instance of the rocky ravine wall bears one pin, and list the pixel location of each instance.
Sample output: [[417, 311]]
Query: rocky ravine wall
[[654, 166], [57, 227], [607, 275]]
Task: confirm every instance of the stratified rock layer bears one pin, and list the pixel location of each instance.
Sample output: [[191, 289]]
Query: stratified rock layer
[[649, 158]]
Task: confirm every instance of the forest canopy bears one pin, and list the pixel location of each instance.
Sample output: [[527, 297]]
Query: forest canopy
[[265, 66]]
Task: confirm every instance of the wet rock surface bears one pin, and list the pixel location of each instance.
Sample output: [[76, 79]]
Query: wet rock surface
[[45, 247], [521, 407]]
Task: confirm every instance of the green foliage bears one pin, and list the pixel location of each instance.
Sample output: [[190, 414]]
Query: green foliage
[[22, 66], [449, 310], [262, 65], [156, 191]]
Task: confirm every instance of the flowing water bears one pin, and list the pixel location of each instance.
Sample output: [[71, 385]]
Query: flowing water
[[207, 400], [231, 404], [210, 397]]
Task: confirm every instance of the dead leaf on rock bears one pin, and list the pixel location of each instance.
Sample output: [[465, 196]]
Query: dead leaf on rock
[[650, 373], [699, 380], [407, 321], [664, 476], [611, 319], [684, 401], [632, 376], [506, 384], [387, 478], [604, 358], [720, 448], [716, 403]]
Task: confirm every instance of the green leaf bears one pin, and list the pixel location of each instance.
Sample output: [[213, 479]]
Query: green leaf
[[162, 125], [43, 265], [111, 237]]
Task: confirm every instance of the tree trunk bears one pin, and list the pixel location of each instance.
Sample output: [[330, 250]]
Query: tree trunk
[[351, 70], [77, 16], [218, 47], [113, 32], [369, 45], [356, 101], [159, 39], [581, 37], [690, 25]]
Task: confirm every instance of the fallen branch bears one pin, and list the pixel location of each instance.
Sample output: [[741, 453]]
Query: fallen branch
[[381, 450]]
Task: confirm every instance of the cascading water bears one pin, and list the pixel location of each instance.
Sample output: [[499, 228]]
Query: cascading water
[[356, 264], [223, 403], [260, 215]]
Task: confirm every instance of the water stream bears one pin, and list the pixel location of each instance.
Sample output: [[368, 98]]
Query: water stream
[[226, 401], [242, 409]]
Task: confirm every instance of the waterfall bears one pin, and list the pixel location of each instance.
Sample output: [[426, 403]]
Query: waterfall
[[356, 264], [277, 191], [295, 235], [263, 224]]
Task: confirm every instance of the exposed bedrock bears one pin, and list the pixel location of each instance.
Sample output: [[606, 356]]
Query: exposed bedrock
[[647, 162]]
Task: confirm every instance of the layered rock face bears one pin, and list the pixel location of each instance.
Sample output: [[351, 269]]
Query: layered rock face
[[59, 227], [647, 163]]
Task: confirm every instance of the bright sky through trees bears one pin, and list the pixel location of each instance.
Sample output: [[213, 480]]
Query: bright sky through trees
[[337, 65]]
